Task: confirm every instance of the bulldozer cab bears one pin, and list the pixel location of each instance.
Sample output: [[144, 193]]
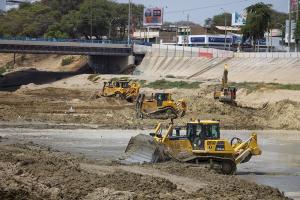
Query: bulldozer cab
[[232, 90], [122, 84], [161, 97], [199, 132], [108, 84]]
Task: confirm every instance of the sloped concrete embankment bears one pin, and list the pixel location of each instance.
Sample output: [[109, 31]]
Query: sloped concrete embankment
[[279, 70]]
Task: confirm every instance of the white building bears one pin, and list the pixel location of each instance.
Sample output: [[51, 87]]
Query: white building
[[6, 5], [2, 5]]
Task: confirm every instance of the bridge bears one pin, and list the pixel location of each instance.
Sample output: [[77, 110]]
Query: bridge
[[66, 47], [104, 56]]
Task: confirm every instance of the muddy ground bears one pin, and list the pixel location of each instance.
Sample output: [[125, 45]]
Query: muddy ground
[[60, 107], [56, 96], [41, 92], [30, 171]]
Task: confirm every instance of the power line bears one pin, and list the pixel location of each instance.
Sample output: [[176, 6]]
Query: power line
[[205, 7]]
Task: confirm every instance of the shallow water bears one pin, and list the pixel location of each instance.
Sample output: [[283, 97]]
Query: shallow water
[[278, 166]]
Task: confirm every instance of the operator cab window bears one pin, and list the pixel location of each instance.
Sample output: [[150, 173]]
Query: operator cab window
[[212, 131], [195, 134], [117, 84], [124, 84], [161, 96], [178, 132]]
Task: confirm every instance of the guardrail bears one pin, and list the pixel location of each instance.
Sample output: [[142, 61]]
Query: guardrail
[[184, 51], [132, 42], [159, 50], [267, 55], [65, 40]]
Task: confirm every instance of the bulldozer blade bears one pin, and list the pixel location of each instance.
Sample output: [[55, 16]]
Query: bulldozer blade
[[143, 149]]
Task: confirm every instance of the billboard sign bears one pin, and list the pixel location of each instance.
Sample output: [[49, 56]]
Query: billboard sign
[[294, 5], [238, 19], [153, 17]]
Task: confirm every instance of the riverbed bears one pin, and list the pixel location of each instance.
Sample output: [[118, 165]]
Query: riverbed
[[278, 166]]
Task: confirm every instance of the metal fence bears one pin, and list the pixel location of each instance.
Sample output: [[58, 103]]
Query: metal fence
[[184, 51], [267, 55], [159, 50]]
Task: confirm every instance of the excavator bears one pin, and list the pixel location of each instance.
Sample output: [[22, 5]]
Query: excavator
[[227, 94], [160, 105], [198, 142], [122, 88]]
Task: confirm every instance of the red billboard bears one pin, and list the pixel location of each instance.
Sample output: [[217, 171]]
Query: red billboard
[[153, 17], [294, 5]]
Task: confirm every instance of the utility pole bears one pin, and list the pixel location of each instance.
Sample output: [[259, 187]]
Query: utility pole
[[297, 18], [297, 10], [225, 23], [290, 25], [187, 29], [129, 22], [268, 42]]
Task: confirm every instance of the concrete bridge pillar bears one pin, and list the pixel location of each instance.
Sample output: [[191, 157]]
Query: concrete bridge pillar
[[110, 64]]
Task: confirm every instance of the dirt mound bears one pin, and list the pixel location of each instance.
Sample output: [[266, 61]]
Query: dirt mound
[[45, 174], [220, 186], [139, 184], [53, 105], [28, 171], [109, 194], [284, 114], [279, 115], [32, 172]]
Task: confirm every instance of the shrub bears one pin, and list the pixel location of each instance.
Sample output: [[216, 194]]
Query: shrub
[[2, 70], [164, 84], [67, 61]]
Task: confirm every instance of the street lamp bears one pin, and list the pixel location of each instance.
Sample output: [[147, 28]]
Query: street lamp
[[225, 44]]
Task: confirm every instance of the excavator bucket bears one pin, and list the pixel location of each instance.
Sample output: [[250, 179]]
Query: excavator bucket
[[143, 149]]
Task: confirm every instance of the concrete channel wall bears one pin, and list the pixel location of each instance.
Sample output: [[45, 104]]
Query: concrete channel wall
[[243, 67]]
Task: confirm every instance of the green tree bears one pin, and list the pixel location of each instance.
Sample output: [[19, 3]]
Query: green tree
[[258, 21], [278, 19], [69, 19], [219, 20], [62, 6]]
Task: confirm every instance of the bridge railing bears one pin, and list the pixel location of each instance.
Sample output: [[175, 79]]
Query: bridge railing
[[104, 41]]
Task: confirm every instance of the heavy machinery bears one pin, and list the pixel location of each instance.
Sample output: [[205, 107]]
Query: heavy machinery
[[160, 105], [122, 88], [198, 142], [227, 93]]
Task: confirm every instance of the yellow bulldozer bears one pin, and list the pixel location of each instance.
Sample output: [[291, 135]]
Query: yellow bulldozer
[[160, 105], [226, 94], [198, 142], [122, 88]]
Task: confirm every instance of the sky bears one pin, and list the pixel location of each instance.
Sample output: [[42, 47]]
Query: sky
[[199, 10]]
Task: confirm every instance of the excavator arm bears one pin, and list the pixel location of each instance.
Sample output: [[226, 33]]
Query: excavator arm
[[225, 78]]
